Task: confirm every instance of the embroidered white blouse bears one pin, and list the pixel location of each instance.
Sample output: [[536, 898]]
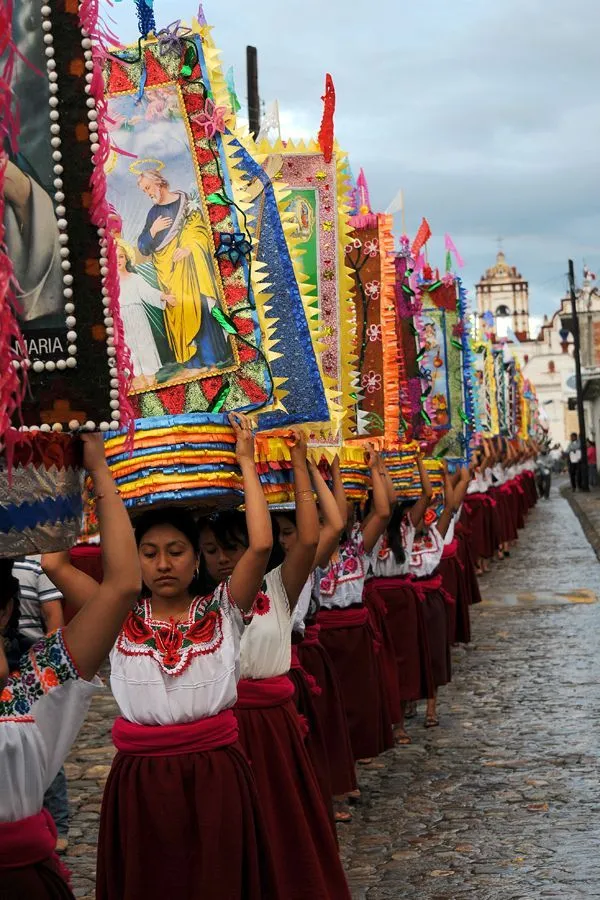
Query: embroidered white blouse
[[341, 583], [427, 553], [382, 562], [164, 673], [266, 647], [42, 709], [478, 484]]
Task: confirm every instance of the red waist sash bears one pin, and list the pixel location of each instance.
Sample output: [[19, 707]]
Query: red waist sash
[[311, 635], [450, 549], [264, 692], [27, 842], [424, 586], [171, 740], [330, 619]]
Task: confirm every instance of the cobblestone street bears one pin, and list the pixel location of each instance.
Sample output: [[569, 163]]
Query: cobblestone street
[[502, 801]]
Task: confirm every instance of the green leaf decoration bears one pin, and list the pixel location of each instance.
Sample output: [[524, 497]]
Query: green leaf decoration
[[425, 417], [224, 321], [435, 285], [456, 344], [463, 415], [413, 330], [217, 200], [421, 353], [441, 453], [220, 398]]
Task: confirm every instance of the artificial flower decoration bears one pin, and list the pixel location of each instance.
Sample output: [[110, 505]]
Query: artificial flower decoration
[[430, 517], [233, 247], [374, 333], [459, 330], [372, 248], [371, 381], [372, 289], [448, 279], [211, 119], [170, 38]]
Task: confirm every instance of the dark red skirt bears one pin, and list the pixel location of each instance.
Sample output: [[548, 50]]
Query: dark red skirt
[[304, 849], [479, 513], [183, 826], [436, 625], [386, 652], [36, 882], [329, 706], [407, 628], [353, 655], [458, 615], [466, 558], [305, 688]]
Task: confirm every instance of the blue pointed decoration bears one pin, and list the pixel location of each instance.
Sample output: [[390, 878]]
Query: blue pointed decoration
[[146, 21], [233, 247]]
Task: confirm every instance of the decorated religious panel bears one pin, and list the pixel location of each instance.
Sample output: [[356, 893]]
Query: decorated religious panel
[[369, 256], [501, 391], [53, 205], [185, 253], [484, 391], [512, 397], [411, 389], [440, 355], [318, 207]]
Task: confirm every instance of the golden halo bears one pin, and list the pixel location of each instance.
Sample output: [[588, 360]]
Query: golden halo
[[149, 165], [127, 249]]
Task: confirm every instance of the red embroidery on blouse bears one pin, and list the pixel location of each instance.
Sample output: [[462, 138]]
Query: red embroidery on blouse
[[173, 645]]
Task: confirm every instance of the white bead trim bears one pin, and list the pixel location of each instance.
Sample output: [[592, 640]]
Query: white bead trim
[[70, 362]]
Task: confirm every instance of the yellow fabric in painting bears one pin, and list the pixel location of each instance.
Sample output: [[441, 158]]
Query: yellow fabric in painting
[[187, 280]]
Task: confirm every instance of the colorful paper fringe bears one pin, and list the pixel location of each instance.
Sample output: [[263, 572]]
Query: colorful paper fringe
[[41, 481]]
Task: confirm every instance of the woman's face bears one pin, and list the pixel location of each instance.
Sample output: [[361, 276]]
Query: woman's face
[[121, 260], [168, 561], [287, 533], [220, 561]]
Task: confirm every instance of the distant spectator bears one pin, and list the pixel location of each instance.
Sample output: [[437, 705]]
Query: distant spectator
[[574, 452], [592, 461]]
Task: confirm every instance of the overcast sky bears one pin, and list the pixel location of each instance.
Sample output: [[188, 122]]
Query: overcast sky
[[485, 112]]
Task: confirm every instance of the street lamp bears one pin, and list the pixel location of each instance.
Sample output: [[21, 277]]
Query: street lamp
[[578, 381]]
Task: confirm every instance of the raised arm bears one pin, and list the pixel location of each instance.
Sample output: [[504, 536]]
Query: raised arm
[[389, 484], [249, 573], [93, 631], [76, 587], [298, 563], [446, 517], [375, 525], [333, 524], [420, 507], [460, 487], [339, 491]]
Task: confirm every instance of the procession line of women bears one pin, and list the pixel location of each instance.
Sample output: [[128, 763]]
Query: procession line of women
[[263, 660]]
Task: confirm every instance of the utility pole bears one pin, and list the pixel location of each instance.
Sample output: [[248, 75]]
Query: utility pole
[[578, 381], [253, 94]]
